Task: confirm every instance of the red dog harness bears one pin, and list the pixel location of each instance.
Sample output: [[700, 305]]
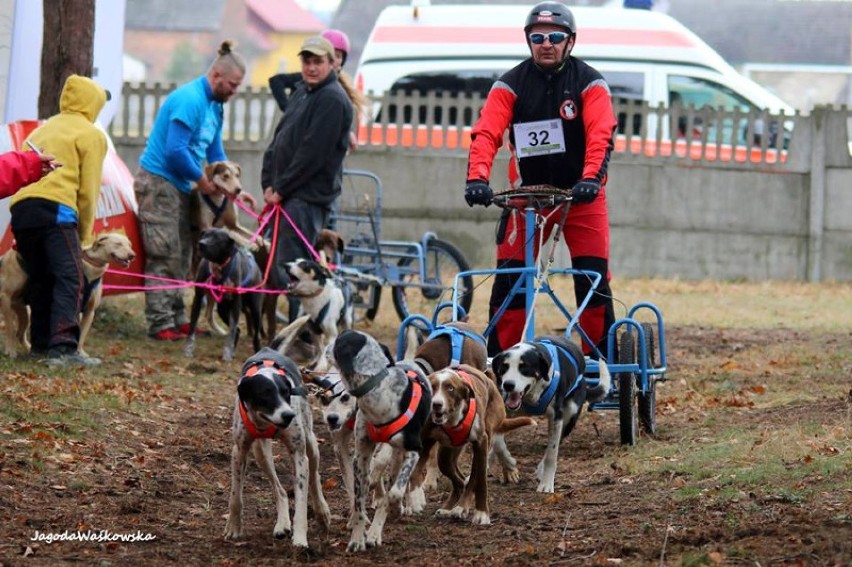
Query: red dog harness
[[383, 433], [458, 434]]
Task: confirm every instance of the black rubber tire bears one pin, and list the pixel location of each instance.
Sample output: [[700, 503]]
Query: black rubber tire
[[628, 422], [648, 400], [374, 293], [444, 261]]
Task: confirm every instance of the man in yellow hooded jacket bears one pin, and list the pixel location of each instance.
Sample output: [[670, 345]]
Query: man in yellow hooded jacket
[[52, 217]]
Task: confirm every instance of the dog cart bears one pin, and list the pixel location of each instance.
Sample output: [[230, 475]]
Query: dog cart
[[420, 274], [638, 346]]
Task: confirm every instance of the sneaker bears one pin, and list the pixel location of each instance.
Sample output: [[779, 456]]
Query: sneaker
[[170, 334], [37, 355], [198, 330], [74, 359]]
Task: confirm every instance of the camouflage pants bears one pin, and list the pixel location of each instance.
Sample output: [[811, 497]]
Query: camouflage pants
[[164, 225]]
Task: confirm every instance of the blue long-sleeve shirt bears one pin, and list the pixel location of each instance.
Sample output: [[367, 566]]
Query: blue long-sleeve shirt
[[186, 132]]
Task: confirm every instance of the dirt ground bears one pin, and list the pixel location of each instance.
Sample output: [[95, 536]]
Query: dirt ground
[[165, 472]]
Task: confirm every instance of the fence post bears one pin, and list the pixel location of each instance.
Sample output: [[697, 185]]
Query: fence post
[[816, 194]]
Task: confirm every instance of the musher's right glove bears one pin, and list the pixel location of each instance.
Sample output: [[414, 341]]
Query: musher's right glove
[[477, 192]]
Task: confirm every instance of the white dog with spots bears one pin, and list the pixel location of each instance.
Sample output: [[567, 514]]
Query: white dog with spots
[[272, 404]]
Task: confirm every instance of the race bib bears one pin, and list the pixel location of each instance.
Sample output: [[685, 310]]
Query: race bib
[[539, 138]]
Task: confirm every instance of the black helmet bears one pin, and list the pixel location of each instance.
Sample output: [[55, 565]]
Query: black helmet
[[555, 13]]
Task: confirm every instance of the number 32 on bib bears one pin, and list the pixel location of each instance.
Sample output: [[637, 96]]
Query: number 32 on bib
[[539, 138]]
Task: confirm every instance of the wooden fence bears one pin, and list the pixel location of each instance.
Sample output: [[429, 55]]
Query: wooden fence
[[443, 122]]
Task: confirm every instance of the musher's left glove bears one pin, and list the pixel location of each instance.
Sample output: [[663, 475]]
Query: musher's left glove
[[585, 191], [477, 192]]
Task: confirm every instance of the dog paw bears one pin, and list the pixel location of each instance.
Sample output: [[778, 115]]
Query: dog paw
[[300, 540], [416, 502], [511, 476], [455, 512], [233, 531], [357, 545], [189, 350], [545, 487], [228, 354], [480, 518], [280, 534]]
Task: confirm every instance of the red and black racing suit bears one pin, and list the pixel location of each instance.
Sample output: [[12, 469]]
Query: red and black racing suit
[[577, 95]]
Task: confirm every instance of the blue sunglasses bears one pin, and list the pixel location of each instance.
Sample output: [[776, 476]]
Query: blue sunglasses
[[555, 38]]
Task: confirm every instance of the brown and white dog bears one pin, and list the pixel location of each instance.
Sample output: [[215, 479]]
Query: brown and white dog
[[271, 404], [467, 409], [448, 346], [545, 377], [219, 211], [108, 248]]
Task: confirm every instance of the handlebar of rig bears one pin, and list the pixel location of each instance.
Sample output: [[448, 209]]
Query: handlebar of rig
[[536, 196]]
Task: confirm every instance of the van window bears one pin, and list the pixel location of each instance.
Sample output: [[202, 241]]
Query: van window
[[445, 85], [685, 91], [626, 88]]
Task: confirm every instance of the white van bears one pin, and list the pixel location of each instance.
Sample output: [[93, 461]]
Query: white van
[[644, 56]]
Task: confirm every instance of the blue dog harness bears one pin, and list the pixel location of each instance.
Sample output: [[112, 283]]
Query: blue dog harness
[[553, 349], [456, 336]]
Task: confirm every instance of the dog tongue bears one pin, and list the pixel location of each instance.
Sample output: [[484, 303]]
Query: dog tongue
[[513, 402]]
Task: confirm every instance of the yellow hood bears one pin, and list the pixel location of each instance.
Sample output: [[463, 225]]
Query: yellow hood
[[83, 96]]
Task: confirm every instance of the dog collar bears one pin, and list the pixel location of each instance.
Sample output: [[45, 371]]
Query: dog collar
[[456, 337], [547, 396], [383, 433], [252, 429], [93, 261], [458, 434], [370, 384]]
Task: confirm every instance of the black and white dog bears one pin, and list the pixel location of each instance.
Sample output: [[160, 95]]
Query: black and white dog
[[226, 264], [545, 377], [325, 300], [393, 405], [271, 404]]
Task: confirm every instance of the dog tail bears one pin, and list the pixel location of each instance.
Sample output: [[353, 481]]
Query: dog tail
[[288, 334], [603, 387], [511, 423]]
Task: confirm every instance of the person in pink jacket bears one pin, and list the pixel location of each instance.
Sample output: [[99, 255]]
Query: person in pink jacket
[[19, 169]]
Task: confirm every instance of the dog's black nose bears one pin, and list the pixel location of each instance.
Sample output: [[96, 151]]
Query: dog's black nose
[[332, 420], [508, 386], [437, 406]]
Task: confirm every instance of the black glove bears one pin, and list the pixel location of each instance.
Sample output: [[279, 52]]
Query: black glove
[[477, 192], [585, 191]]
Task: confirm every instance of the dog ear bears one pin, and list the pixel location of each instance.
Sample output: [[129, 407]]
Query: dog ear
[[346, 348], [498, 368], [545, 363], [340, 245], [388, 354], [237, 169]]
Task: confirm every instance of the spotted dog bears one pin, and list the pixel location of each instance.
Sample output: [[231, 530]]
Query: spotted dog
[[108, 248], [339, 408], [545, 377], [467, 409], [393, 406], [226, 264], [271, 404], [324, 300]]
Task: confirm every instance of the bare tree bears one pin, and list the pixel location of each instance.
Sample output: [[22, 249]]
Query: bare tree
[[67, 48]]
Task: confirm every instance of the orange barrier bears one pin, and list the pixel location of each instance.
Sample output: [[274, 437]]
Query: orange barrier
[[438, 138]]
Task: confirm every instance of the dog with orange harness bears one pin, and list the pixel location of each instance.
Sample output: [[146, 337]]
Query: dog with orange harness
[[394, 402], [467, 409]]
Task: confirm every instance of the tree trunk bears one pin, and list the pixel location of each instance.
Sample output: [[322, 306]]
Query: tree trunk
[[67, 48]]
